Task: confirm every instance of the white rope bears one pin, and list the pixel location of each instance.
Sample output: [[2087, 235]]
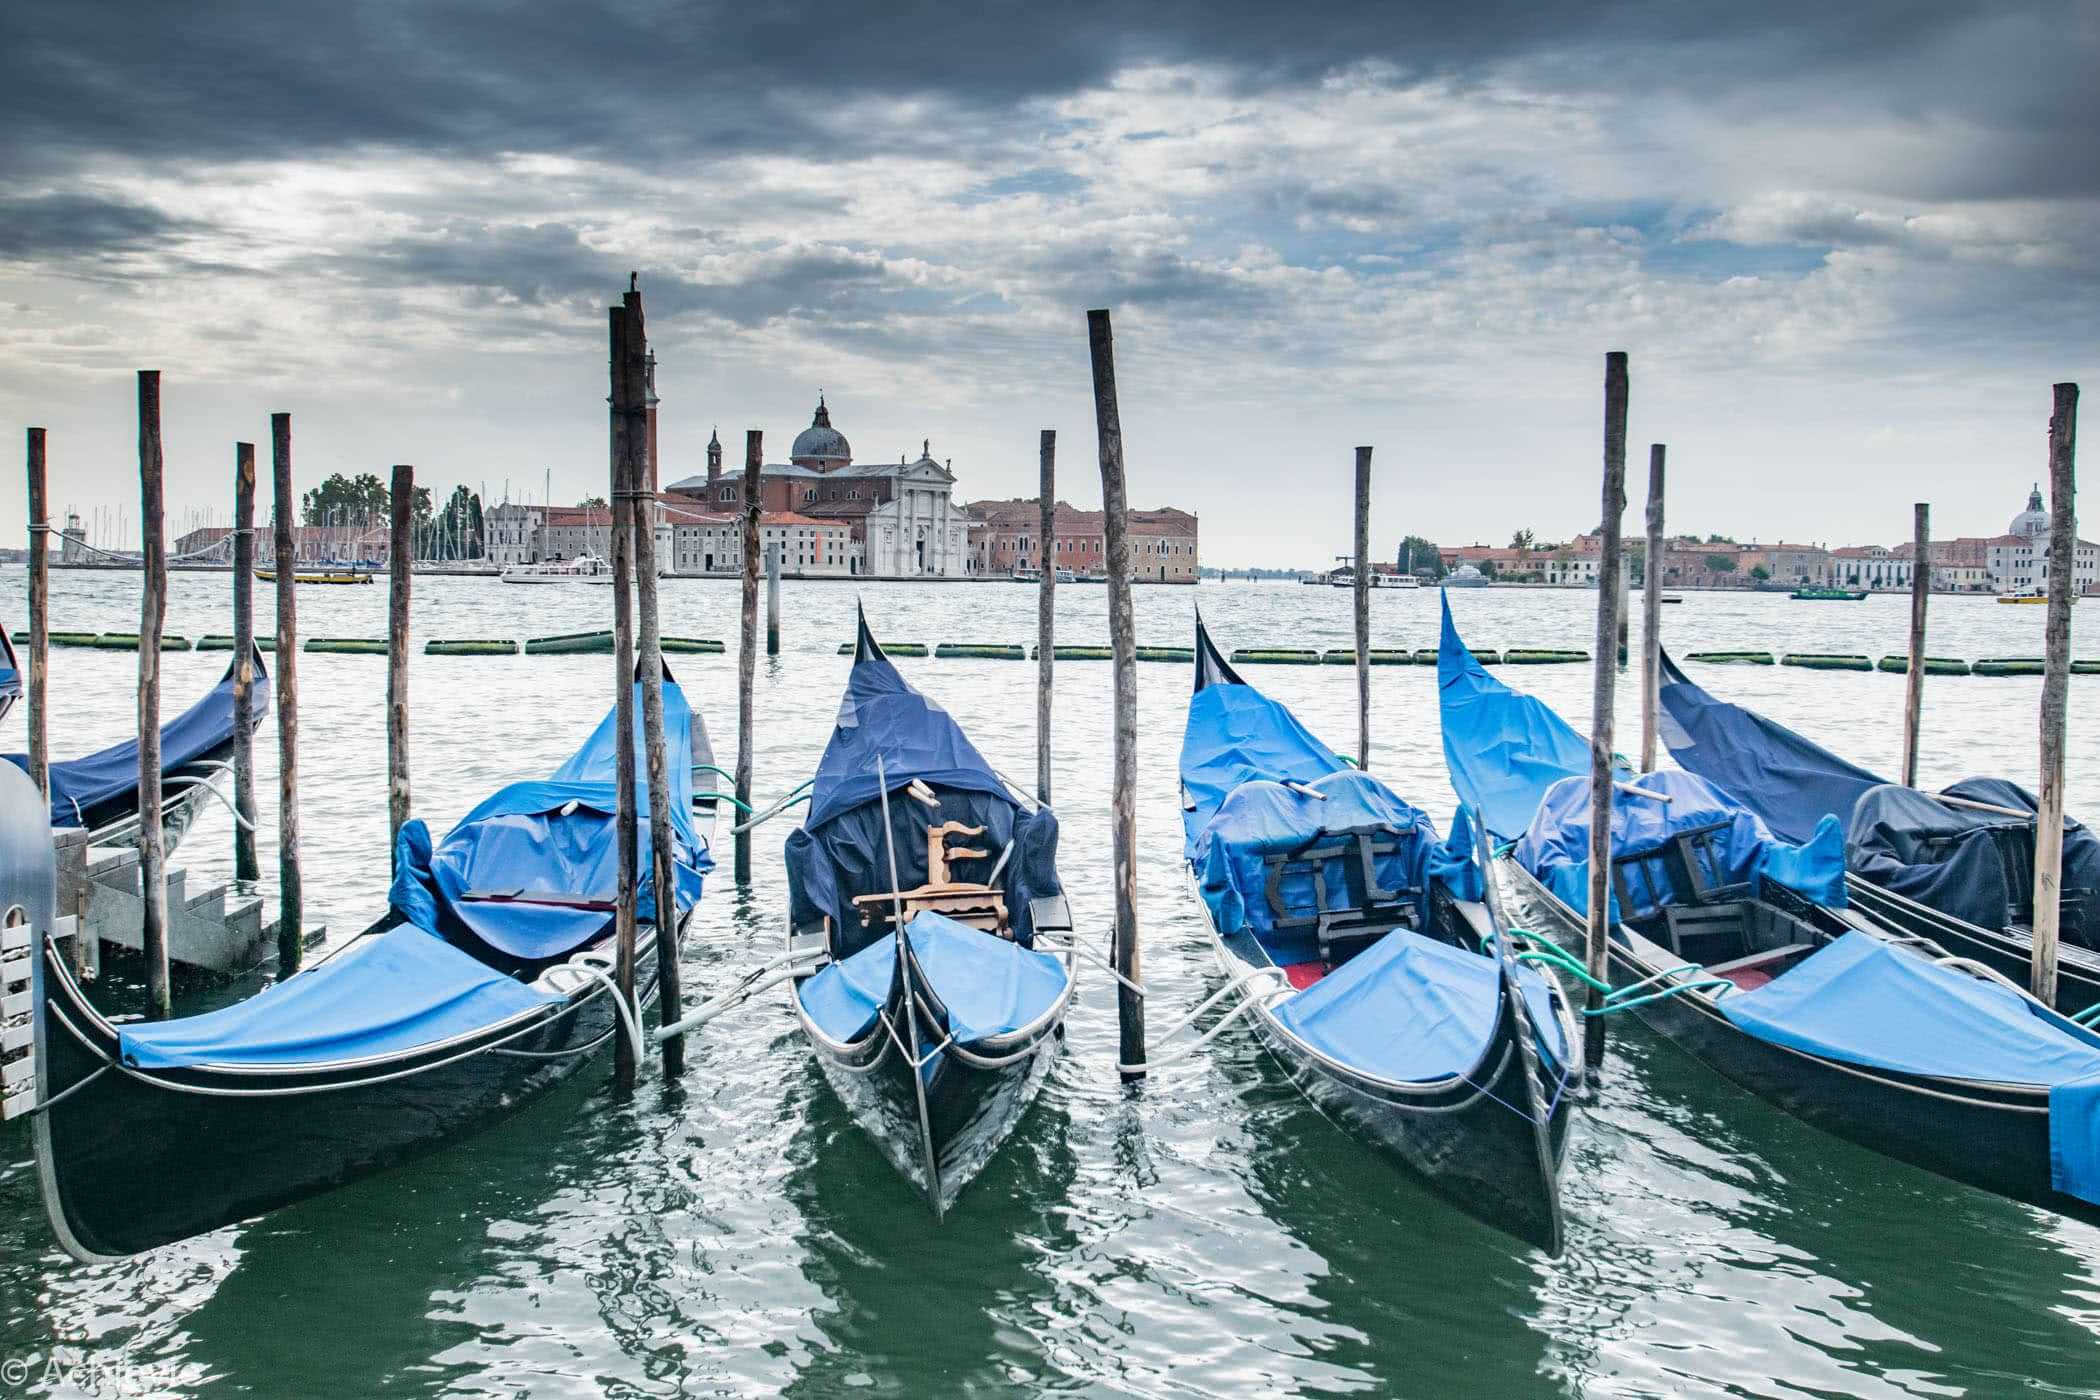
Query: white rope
[[1071, 945], [759, 979], [590, 965], [1206, 1038]]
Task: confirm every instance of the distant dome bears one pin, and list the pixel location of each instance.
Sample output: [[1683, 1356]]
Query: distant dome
[[820, 444], [2032, 522]]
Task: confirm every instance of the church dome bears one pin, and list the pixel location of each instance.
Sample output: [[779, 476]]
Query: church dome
[[820, 444], [2032, 522]]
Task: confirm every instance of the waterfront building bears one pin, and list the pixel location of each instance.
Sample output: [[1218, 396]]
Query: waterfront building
[[512, 533], [1006, 536]]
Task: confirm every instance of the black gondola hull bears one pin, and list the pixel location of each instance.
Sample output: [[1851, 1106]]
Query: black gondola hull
[[2008, 952], [130, 1163], [1993, 1137]]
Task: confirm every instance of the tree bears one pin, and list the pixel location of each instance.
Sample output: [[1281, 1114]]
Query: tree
[[459, 526], [1760, 573], [1419, 556], [591, 503], [342, 500], [1720, 539], [1521, 539], [1636, 561], [1720, 563]]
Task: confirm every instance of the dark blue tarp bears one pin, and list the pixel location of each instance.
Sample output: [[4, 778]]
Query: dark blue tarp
[[1951, 858], [1556, 846], [385, 994], [1503, 748], [1411, 1009], [1260, 819], [1790, 781], [1235, 734], [988, 985], [560, 836], [79, 785], [10, 674], [883, 716]]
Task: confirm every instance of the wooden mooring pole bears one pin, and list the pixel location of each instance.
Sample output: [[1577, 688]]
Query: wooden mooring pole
[[401, 514], [747, 643], [1603, 697], [1122, 635], [39, 618], [284, 506], [1362, 603], [1045, 610], [153, 616], [247, 864], [1920, 594], [1651, 611], [621, 497], [663, 877], [2056, 678], [773, 598]]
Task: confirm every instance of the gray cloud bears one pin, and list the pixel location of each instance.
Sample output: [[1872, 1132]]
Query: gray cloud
[[79, 227]]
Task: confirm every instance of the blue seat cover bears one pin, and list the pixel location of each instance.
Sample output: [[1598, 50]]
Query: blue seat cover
[[989, 985], [1411, 1010], [385, 994]]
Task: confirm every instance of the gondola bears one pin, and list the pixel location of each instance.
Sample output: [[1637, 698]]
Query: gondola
[[10, 675], [1956, 867], [1741, 948], [1360, 946], [938, 1041], [486, 982], [101, 791]]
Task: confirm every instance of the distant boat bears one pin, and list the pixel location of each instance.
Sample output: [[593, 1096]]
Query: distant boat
[[1345, 577], [2029, 595], [1828, 595], [344, 576], [1067, 576], [1465, 576], [588, 568], [1026, 576]]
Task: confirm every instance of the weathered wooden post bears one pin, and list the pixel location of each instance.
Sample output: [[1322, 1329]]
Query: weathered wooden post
[[247, 865], [622, 502], [39, 617], [2056, 678], [773, 599], [1920, 594], [1363, 607], [1122, 635], [291, 941], [153, 615], [747, 641], [1651, 611], [639, 392], [1045, 611], [401, 510], [1625, 604], [1609, 563]]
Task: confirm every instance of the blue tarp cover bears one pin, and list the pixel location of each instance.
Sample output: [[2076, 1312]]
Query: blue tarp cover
[[1503, 748], [1790, 781], [883, 716], [10, 672], [558, 835], [79, 784], [1260, 819], [1410, 1009], [1235, 734], [385, 994], [990, 986], [1556, 846], [1949, 859]]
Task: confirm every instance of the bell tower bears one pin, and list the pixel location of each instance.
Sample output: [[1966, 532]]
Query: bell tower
[[714, 456]]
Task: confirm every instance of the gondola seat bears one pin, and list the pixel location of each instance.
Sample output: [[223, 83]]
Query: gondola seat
[[980, 985]]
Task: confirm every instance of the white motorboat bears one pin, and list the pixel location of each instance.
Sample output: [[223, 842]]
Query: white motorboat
[[584, 568]]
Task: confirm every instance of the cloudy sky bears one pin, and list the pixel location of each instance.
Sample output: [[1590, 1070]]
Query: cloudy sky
[[1848, 246]]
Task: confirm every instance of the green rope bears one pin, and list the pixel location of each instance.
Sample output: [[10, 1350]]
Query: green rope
[[718, 772], [723, 797], [1346, 759], [1551, 954], [2088, 1016]]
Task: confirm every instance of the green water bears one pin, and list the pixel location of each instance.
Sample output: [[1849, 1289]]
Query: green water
[[1209, 1234]]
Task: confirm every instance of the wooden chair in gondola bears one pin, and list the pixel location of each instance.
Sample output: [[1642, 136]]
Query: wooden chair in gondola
[[979, 906], [1349, 919], [1704, 922]]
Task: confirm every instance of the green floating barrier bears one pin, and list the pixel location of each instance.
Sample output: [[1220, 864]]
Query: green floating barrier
[[1542, 656], [219, 641], [470, 646], [980, 651], [1346, 656], [1815, 662], [64, 639], [356, 646], [2085, 668], [1732, 658], [1426, 656], [889, 648], [689, 646], [129, 641], [1182, 654], [2008, 666], [1073, 654], [1934, 665], [570, 644], [1276, 656]]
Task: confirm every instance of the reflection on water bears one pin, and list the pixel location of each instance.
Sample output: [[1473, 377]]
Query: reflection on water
[[1208, 1234]]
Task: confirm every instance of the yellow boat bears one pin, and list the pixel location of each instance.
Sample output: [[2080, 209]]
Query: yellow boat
[[2032, 595], [270, 576]]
